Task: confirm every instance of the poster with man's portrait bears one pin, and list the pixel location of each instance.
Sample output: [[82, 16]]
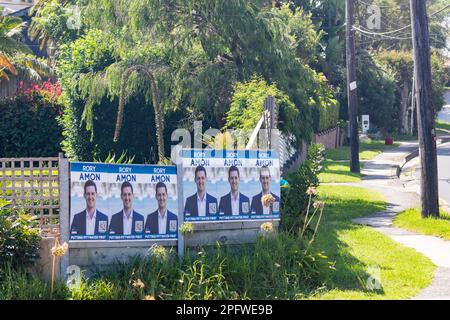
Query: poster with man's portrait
[[112, 202], [230, 185]]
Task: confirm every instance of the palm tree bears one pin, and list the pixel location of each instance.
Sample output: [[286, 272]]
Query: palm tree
[[10, 27], [15, 57], [39, 31]]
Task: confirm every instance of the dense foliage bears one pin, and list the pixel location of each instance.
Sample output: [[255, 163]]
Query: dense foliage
[[374, 78], [377, 95], [294, 199], [19, 238], [199, 51], [77, 60], [398, 70], [29, 125], [247, 107], [275, 267]]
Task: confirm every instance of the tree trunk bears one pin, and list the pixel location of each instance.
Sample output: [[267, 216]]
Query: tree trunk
[[159, 121]]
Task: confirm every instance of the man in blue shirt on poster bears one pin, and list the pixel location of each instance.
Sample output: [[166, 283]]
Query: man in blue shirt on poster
[[127, 221], [90, 221], [234, 203], [200, 204]]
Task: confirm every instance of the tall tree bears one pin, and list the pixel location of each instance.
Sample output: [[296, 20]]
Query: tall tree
[[159, 120], [206, 46]]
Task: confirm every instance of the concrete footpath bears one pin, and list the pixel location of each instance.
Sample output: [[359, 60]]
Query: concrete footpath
[[380, 174]]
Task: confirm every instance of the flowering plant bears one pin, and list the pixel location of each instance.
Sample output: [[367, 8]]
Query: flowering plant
[[60, 250], [267, 228], [267, 200], [50, 92]]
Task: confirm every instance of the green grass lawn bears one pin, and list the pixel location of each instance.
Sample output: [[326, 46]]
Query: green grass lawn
[[443, 125], [355, 249], [404, 137], [338, 171], [368, 150], [337, 167], [412, 220]]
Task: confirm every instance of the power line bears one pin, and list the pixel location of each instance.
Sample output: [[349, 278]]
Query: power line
[[382, 34], [396, 31], [382, 7]]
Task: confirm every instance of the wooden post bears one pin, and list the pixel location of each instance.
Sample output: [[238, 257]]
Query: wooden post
[[64, 214], [425, 110], [180, 201], [412, 106], [351, 86]]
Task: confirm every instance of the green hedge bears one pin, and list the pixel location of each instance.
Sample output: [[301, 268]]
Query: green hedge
[[137, 137], [325, 117], [29, 127], [325, 114]]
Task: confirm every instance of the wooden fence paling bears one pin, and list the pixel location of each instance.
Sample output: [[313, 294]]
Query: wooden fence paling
[[32, 184]]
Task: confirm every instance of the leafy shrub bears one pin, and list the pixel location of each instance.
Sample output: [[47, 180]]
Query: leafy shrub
[[19, 238], [325, 113], [97, 290], [294, 200], [20, 285], [247, 106], [278, 267], [28, 122], [281, 266]]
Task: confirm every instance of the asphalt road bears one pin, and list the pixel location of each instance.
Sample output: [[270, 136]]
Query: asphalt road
[[443, 151], [444, 115], [444, 155], [444, 171]]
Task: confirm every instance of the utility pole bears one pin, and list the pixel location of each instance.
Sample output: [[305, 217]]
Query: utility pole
[[425, 110], [351, 85]]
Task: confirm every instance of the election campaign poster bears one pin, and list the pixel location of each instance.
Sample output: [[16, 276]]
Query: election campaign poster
[[111, 202], [230, 185]]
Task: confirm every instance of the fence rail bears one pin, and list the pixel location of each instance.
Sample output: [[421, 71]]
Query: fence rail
[[33, 185]]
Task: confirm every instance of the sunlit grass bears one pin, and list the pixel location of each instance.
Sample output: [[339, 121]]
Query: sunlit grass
[[337, 165], [443, 125], [358, 250], [412, 220], [335, 171]]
